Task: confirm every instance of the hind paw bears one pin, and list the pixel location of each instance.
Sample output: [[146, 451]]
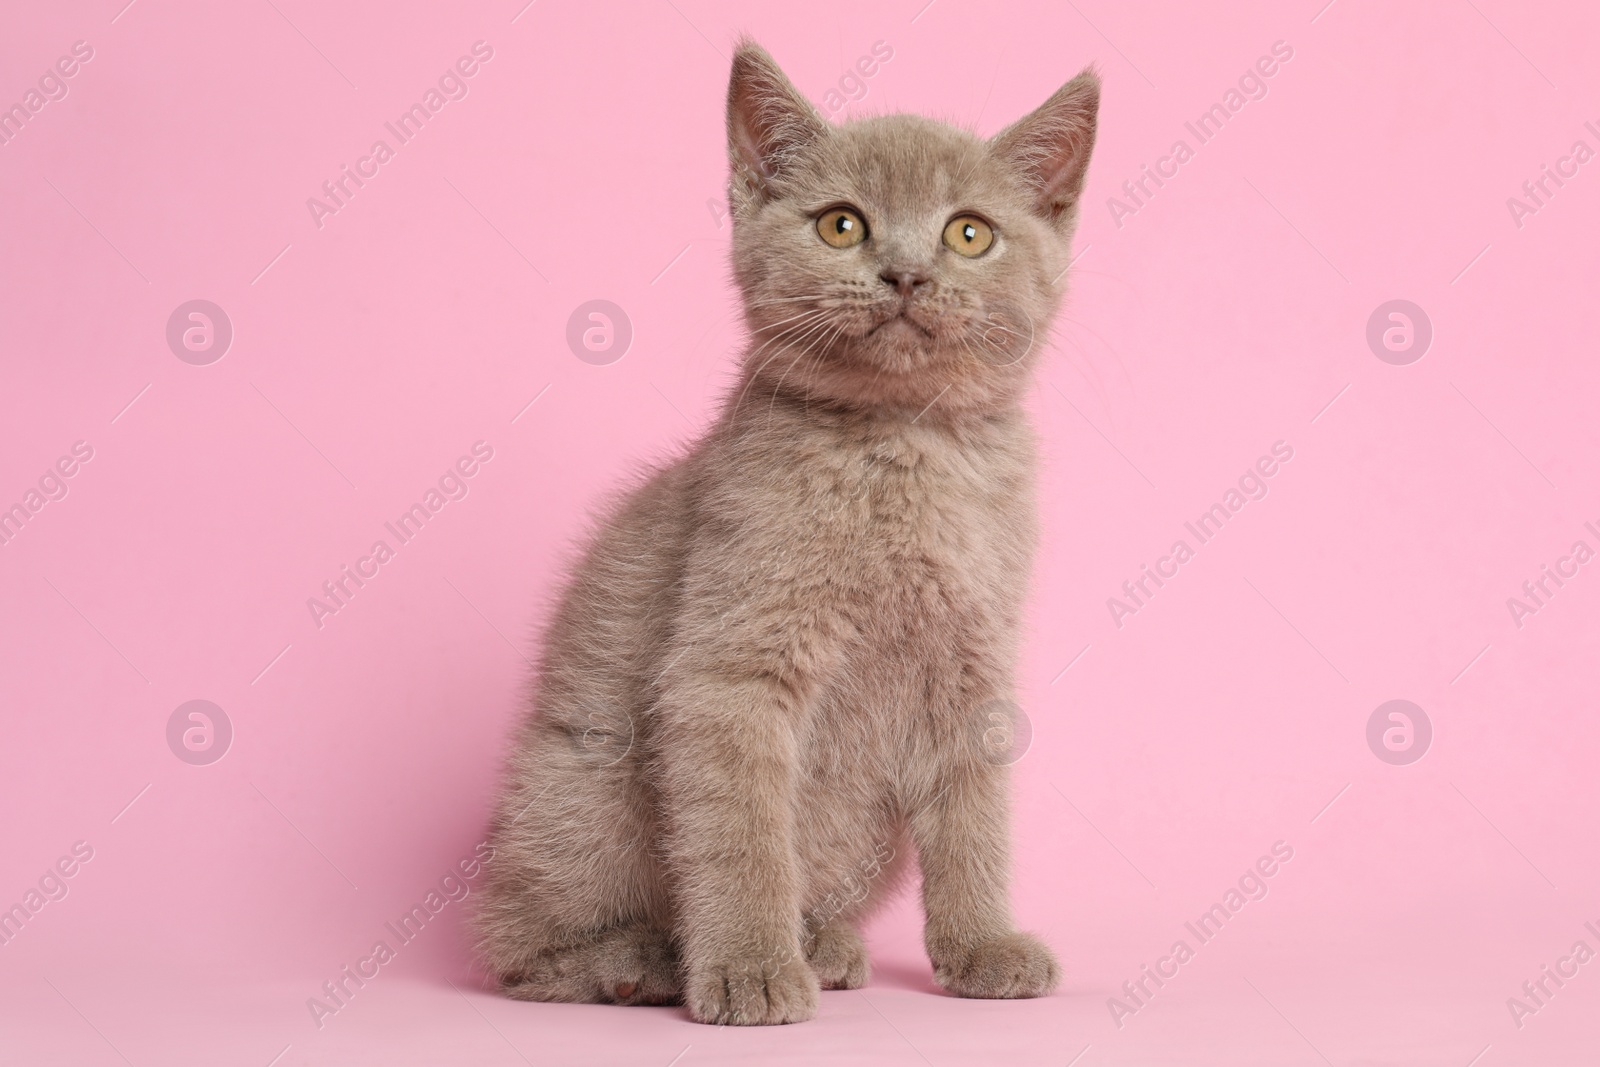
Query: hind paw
[[634, 965], [839, 957]]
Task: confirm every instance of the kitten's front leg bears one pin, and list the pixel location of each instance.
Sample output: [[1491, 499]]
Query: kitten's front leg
[[962, 835], [729, 757]]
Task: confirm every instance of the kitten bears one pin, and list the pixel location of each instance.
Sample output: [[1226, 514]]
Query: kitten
[[774, 671]]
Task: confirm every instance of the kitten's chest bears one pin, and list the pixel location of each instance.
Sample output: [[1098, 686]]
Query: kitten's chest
[[932, 530]]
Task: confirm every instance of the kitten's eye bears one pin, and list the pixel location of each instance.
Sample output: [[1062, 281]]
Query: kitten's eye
[[842, 227], [969, 235]]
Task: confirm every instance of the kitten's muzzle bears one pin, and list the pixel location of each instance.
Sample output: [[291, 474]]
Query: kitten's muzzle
[[906, 281]]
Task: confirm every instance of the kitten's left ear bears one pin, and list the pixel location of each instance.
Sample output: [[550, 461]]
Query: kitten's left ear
[[769, 124], [1051, 146]]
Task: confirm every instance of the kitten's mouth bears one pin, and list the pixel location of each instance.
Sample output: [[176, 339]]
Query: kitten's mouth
[[904, 318]]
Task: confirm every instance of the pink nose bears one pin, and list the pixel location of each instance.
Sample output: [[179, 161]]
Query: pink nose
[[904, 281]]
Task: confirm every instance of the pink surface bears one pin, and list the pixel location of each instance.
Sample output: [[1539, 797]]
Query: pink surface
[[372, 347]]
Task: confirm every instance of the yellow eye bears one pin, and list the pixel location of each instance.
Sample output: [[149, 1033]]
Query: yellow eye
[[842, 227], [969, 235]]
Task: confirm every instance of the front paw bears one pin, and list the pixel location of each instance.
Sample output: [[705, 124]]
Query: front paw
[[753, 991], [1014, 966]]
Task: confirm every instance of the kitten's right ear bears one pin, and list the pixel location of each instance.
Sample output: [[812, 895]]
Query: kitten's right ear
[[769, 124]]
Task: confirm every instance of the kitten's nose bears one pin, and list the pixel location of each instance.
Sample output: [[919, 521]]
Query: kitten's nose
[[904, 280]]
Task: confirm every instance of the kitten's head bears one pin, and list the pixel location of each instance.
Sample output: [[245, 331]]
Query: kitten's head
[[896, 260]]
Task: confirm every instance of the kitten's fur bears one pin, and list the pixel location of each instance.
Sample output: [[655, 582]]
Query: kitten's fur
[[771, 673]]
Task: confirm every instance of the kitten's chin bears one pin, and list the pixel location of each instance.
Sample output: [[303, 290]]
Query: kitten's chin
[[896, 347], [901, 360], [902, 345]]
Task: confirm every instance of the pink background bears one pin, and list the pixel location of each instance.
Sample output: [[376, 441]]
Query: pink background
[[587, 162]]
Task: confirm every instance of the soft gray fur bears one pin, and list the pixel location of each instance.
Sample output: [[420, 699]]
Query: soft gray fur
[[772, 676]]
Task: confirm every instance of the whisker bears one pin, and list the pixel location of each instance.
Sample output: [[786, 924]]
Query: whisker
[[791, 318], [749, 381], [799, 342], [816, 344], [838, 332]]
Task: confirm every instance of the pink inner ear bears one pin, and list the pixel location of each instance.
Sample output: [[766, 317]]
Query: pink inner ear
[[1063, 169], [748, 145], [768, 119], [1051, 146]]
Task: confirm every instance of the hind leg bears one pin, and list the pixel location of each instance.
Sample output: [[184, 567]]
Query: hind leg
[[838, 956], [574, 907], [632, 964]]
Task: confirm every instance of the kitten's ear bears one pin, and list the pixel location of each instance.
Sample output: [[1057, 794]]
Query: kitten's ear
[[769, 123], [1051, 146]]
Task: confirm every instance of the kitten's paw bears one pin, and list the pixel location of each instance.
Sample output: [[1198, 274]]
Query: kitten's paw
[[630, 965], [753, 992], [1014, 966], [838, 956]]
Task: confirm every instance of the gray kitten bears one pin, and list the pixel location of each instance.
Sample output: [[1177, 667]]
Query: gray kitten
[[776, 668]]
